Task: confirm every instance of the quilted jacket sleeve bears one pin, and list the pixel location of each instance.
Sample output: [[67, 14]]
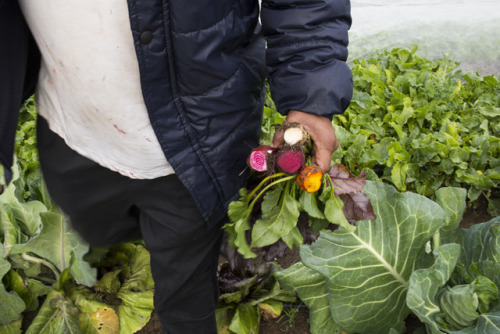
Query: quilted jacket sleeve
[[306, 53]]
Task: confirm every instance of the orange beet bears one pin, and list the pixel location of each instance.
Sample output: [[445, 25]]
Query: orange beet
[[310, 178]]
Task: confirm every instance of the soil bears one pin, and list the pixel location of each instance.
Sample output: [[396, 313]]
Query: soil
[[295, 318]]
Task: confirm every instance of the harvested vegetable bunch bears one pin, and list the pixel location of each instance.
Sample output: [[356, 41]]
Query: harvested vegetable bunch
[[289, 185]]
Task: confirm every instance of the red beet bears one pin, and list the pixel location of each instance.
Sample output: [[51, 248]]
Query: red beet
[[290, 161], [258, 158]]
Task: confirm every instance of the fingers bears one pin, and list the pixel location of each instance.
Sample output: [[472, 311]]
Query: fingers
[[278, 139]]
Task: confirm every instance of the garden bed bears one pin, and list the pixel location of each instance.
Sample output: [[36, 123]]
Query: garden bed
[[295, 318]]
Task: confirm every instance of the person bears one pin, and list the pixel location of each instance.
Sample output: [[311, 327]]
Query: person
[[148, 111]]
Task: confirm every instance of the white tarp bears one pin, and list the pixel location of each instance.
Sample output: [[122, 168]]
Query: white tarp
[[467, 30]]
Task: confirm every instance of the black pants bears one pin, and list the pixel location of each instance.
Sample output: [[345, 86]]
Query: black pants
[[106, 208]]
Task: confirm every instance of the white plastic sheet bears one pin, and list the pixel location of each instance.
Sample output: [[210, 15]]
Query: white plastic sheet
[[467, 30]]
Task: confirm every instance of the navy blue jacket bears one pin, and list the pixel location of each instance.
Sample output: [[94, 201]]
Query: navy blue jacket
[[202, 66]]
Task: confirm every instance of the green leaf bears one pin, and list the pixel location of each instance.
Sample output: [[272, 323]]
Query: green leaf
[[280, 213], [453, 202], [487, 293], [486, 323], [135, 310], [425, 283], [11, 306], [294, 238], [398, 175], [246, 320], [12, 328], [311, 288], [333, 209], [459, 304], [110, 282], [57, 315], [9, 229], [223, 316], [136, 293], [238, 213], [61, 246], [367, 272], [37, 289], [309, 203], [480, 250], [16, 283]]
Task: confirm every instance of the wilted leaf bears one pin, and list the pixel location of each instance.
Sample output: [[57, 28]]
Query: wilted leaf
[[357, 206], [270, 309], [103, 321], [344, 181]]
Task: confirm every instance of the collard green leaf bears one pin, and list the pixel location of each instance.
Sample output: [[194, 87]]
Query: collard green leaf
[[487, 293], [311, 288], [9, 229], [246, 320], [37, 289], [425, 283], [57, 315], [367, 272], [12, 328], [453, 202], [480, 250], [61, 246], [15, 283], [136, 293], [135, 310], [459, 304], [486, 323], [11, 306]]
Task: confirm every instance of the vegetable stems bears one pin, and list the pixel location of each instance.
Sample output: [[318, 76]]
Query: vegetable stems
[[41, 261]]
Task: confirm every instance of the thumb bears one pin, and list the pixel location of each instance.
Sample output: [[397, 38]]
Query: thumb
[[278, 138]]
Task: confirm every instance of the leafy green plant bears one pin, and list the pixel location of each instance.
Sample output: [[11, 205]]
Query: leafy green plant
[[246, 295], [41, 256], [407, 260], [422, 125], [26, 152]]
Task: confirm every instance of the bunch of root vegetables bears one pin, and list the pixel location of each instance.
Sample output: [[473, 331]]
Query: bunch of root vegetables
[[290, 184], [292, 158]]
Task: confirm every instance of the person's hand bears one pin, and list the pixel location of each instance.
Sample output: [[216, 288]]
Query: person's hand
[[322, 133]]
